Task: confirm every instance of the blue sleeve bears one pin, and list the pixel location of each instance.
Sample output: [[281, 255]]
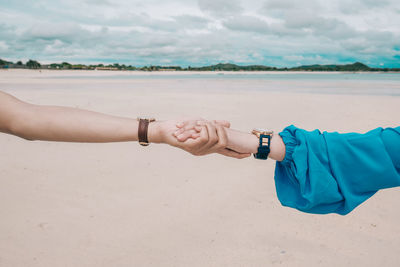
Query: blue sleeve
[[334, 173]]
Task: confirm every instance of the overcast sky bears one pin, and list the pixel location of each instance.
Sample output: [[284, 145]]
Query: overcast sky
[[191, 32]]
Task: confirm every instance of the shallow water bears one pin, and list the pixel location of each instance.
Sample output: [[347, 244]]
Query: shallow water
[[333, 76], [315, 83]]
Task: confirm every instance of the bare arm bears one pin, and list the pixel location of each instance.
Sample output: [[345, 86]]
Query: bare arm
[[51, 123], [34, 122], [248, 143], [241, 143]]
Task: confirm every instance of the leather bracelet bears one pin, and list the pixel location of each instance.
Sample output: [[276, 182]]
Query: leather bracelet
[[143, 130]]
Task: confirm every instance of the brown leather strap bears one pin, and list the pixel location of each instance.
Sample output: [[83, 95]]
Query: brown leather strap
[[142, 131]]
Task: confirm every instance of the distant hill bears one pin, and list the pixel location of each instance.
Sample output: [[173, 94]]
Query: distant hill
[[4, 62], [232, 67], [32, 64], [348, 67]]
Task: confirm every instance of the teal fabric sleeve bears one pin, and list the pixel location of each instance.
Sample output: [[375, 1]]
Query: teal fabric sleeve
[[334, 173]]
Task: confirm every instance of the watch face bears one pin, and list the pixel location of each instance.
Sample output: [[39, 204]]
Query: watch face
[[263, 131]]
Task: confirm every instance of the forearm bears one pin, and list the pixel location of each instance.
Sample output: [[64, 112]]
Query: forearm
[[71, 125], [248, 143]]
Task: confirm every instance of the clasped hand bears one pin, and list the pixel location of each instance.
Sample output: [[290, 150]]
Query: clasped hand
[[200, 137]]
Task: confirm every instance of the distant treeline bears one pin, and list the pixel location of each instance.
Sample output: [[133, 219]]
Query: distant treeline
[[33, 64]]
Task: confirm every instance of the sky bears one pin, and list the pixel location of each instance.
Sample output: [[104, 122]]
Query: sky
[[202, 32]]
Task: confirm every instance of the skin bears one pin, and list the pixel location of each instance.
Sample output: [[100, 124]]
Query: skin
[[54, 123], [238, 141], [201, 137]]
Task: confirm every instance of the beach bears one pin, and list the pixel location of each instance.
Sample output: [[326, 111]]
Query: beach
[[120, 204]]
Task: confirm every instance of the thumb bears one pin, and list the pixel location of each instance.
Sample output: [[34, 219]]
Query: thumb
[[224, 123]]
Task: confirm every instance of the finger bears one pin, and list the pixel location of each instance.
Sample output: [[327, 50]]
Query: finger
[[212, 138], [185, 135], [195, 135], [188, 124], [222, 138], [180, 124], [224, 123], [195, 146], [179, 132], [204, 137], [233, 154]]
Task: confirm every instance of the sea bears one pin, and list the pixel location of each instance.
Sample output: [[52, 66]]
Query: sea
[[368, 83]]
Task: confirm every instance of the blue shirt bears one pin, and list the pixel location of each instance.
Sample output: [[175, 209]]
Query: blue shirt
[[334, 173]]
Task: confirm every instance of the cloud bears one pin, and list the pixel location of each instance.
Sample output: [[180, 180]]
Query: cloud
[[221, 8], [290, 5], [359, 6], [294, 58], [3, 47], [246, 24], [191, 22], [67, 32], [191, 32]]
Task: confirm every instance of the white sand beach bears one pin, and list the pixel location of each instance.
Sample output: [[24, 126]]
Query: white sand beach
[[120, 204]]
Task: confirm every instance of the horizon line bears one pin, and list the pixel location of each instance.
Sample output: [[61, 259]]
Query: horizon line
[[116, 64]]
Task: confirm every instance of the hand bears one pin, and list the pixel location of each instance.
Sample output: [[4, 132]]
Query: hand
[[212, 138], [186, 128], [242, 142], [163, 132], [233, 143]]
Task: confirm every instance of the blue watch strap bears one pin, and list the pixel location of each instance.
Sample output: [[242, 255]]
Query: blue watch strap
[[263, 150]]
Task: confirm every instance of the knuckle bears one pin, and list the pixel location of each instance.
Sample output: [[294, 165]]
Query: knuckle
[[223, 143], [220, 146], [203, 140]]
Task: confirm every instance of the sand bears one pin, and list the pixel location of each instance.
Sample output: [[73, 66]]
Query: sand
[[64, 204]]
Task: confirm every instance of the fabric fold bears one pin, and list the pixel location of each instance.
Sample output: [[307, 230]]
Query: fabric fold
[[334, 173]]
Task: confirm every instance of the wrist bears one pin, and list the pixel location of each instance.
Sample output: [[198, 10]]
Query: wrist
[[253, 143], [154, 132], [248, 143], [278, 148], [242, 142]]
